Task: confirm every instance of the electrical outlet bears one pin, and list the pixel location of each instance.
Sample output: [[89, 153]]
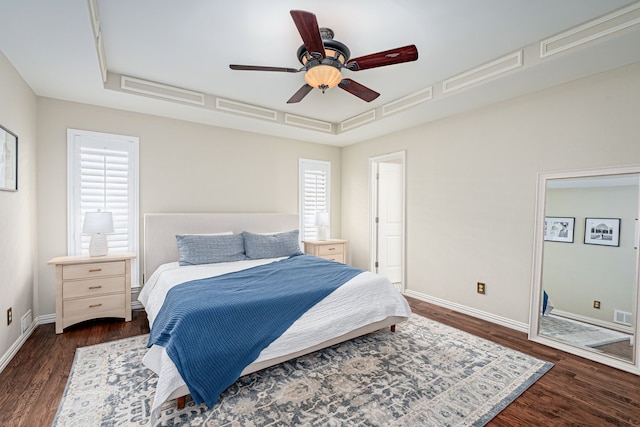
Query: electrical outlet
[[596, 304], [9, 316], [481, 288]]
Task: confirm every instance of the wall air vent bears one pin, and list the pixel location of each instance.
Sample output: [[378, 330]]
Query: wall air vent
[[408, 101], [245, 109], [483, 72], [596, 29], [622, 317], [356, 121], [26, 322], [159, 90], [305, 122]]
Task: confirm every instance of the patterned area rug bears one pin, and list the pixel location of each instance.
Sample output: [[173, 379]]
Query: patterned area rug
[[579, 333], [425, 374]]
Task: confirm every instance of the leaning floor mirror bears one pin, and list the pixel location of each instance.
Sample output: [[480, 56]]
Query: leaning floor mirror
[[585, 279]]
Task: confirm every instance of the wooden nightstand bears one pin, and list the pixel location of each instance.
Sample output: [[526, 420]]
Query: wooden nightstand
[[332, 249], [92, 287]]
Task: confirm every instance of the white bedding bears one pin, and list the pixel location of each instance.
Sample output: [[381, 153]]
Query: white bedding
[[365, 299]]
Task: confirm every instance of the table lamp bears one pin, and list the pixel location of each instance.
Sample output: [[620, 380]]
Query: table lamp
[[97, 224]]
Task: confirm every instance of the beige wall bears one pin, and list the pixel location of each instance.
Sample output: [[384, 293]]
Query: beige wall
[[575, 274], [471, 185], [17, 209], [471, 182], [184, 167]]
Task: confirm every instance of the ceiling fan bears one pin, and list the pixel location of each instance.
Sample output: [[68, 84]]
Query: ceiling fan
[[323, 59]]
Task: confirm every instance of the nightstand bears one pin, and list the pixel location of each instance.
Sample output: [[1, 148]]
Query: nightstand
[[332, 249], [92, 287]]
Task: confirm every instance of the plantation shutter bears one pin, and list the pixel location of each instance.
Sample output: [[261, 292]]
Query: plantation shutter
[[314, 195], [103, 176]]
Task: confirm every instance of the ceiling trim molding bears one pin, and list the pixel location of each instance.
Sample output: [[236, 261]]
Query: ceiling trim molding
[[305, 122], [246, 109], [408, 101], [97, 38], [95, 17], [358, 120], [598, 28], [102, 60], [484, 72], [159, 90]]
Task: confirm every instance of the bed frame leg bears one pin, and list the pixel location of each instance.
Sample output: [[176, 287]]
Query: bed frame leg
[[182, 402], [393, 328]]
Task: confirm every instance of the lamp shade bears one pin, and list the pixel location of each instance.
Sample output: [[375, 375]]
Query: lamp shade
[[323, 77], [322, 219], [98, 222]]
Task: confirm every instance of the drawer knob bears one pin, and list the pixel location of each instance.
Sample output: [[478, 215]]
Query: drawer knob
[[95, 287], [332, 249], [94, 305], [95, 270]]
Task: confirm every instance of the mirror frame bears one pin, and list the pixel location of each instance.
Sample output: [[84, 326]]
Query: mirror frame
[[536, 286]]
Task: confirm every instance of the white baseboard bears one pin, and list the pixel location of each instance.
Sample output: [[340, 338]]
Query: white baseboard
[[489, 317], [40, 320], [592, 321], [46, 318], [13, 350]]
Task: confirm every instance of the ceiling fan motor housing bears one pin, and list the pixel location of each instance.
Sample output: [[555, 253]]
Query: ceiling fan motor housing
[[335, 52]]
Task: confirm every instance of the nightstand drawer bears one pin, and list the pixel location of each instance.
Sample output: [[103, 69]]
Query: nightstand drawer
[[89, 306], [330, 249], [336, 258], [93, 287], [97, 269]]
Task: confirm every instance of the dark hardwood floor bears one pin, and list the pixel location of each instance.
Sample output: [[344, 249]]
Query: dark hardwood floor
[[623, 349], [575, 392]]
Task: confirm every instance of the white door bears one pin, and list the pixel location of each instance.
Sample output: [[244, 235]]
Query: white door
[[390, 221]]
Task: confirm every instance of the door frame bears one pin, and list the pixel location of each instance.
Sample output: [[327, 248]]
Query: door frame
[[396, 157]]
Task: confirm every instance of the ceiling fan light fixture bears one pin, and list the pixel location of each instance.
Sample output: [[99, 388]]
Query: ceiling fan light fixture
[[323, 77]]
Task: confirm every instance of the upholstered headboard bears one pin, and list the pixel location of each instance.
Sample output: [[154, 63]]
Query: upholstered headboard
[[160, 230]]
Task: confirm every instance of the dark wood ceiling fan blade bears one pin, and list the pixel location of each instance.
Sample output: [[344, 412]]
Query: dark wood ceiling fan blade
[[307, 25], [388, 57], [261, 68], [301, 93], [358, 90]]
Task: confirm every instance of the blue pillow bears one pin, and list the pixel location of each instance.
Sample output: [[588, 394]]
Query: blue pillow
[[210, 248], [259, 246]]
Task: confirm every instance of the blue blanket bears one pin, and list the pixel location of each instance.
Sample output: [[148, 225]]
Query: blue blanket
[[213, 328]]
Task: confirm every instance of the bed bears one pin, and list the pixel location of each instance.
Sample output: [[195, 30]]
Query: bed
[[366, 303]]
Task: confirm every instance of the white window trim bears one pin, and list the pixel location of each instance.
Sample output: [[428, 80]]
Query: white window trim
[[305, 164], [72, 220]]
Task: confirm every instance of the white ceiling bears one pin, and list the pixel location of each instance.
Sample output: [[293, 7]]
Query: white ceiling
[[189, 44]]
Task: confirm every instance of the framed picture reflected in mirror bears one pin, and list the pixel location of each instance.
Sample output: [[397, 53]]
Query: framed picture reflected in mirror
[[8, 160], [559, 229], [602, 231]]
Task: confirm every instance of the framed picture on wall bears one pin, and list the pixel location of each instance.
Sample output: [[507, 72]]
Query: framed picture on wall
[[602, 231], [559, 229]]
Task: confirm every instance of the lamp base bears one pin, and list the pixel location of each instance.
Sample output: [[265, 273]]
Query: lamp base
[[98, 245], [322, 233]]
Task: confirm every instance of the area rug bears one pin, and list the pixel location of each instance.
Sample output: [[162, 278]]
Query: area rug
[[579, 333], [424, 374]]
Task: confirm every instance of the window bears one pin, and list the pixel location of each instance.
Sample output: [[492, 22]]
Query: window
[[315, 182], [102, 175]]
